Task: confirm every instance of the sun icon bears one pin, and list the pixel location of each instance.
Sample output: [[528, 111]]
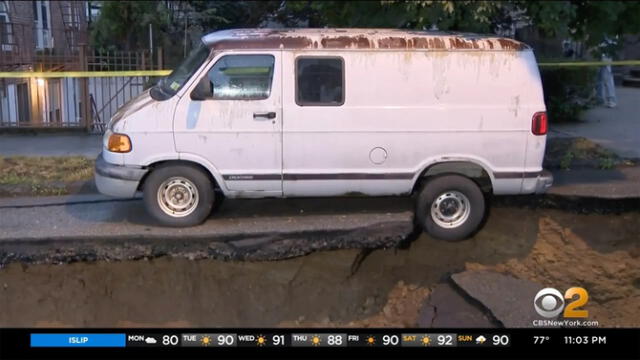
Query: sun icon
[[315, 340], [426, 340], [371, 340], [261, 341], [206, 340]]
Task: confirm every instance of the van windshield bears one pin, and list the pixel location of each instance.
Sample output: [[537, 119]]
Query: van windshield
[[170, 85]]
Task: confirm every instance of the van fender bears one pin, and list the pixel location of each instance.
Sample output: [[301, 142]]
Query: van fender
[[148, 161], [207, 165], [462, 164], [188, 157]]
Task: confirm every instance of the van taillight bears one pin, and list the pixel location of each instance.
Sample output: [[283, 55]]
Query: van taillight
[[539, 124]]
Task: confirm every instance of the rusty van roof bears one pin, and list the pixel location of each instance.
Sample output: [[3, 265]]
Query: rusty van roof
[[357, 39]]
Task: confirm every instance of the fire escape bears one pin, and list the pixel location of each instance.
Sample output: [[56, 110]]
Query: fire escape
[[18, 50], [75, 30], [66, 53], [13, 56]]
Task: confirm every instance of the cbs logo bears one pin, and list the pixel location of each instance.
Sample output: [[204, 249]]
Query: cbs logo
[[549, 303]]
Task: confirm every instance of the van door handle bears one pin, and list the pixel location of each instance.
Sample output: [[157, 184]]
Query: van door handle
[[266, 115]]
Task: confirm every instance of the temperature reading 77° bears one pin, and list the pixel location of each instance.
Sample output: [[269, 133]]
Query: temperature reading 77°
[[540, 339]]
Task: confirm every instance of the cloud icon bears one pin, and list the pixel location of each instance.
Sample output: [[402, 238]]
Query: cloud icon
[[481, 339], [151, 340]]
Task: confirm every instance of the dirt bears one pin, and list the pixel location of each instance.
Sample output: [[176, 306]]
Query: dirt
[[565, 257], [599, 252]]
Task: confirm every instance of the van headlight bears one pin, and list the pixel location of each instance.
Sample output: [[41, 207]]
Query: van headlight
[[116, 142]]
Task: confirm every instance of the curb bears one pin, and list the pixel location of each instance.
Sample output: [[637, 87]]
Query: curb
[[25, 202]]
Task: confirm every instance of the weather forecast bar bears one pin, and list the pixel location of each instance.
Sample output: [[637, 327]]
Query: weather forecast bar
[[575, 343], [309, 339]]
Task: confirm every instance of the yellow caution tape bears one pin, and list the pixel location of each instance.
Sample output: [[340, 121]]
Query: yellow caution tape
[[83, 74]]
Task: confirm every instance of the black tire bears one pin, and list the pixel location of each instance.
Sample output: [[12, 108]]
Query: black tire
[[196, 178], [449, 187]]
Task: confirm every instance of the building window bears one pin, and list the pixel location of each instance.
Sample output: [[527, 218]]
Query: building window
[[319, 81], [242, 77], [6, 34], [41, 16]]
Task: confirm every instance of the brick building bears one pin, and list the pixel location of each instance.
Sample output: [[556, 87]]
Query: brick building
[[40, 36]]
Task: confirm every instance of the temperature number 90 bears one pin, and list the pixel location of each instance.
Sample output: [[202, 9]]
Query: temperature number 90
[[500, 340], [390, 340]]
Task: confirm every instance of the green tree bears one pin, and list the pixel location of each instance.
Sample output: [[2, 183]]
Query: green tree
[[124, 25], [476, 16], [594, 20], [215, 15], [588, 21]]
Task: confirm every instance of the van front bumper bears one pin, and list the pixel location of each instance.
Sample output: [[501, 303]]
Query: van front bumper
[[117, 180], [544, 180]]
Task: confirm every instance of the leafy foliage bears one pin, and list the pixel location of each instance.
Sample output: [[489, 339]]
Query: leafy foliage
[[463, 15], [214, 15], [123, 25], [589, 21], [568, 91]]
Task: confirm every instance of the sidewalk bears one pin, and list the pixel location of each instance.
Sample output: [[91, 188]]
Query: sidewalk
[[51, 145], [617, 129]]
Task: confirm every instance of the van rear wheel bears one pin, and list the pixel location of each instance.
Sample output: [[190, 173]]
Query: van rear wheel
[[450, 207], [178, 195]]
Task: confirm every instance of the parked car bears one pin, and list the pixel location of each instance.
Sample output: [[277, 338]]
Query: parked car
[[254, 113]]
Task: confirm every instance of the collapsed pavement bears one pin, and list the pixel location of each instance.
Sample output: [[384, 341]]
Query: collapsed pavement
[[245, 230], [44, 231], [320, 289]]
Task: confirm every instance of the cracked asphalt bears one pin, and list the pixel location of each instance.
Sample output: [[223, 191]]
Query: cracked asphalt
[[133, 283], [239, 229]]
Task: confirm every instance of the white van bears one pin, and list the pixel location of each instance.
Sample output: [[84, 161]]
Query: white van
[[254, 113]]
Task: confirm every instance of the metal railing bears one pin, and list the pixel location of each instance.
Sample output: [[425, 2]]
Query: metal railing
[[34, 102], [66, 102], [56, 89]]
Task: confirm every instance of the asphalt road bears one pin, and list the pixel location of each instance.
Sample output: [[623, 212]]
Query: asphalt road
[[129, 218], [239, 229]]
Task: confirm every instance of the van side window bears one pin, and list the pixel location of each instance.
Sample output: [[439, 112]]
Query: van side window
[[319, 81], [242, 77]]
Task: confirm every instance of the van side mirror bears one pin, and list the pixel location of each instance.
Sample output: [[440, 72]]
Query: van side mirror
[[203, 91]]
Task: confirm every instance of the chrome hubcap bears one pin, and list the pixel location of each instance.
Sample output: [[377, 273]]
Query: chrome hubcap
[[178, 197], [450, 209]]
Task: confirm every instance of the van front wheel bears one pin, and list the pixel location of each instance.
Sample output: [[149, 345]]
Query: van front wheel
[[178, 195], [450, 207]]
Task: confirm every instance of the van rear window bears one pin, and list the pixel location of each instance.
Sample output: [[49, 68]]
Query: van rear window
[[319, 81]]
